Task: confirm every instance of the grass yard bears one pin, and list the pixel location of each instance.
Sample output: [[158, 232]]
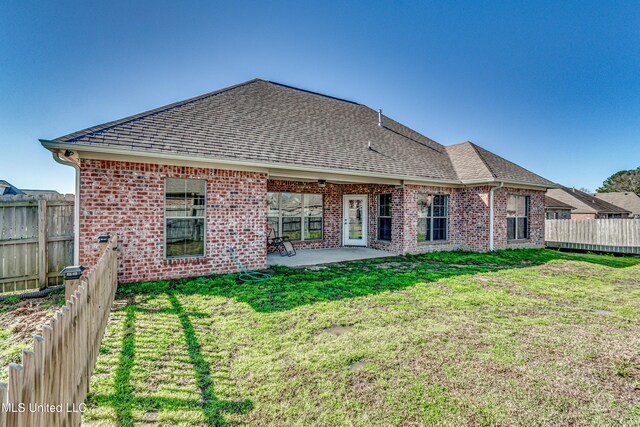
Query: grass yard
[[530, 337]]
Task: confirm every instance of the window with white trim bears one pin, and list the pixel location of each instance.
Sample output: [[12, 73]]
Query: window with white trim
[[184, 214], [433, 213], [297, 216], [517, 217]]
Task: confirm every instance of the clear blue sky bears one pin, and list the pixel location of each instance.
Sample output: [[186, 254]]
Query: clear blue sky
[[552, 86]]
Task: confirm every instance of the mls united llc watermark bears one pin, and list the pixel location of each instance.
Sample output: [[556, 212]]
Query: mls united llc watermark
[[43, 407]]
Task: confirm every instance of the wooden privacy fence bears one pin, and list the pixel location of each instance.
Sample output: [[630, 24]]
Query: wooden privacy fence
[[606, 235], [36, 240], [50, 387]]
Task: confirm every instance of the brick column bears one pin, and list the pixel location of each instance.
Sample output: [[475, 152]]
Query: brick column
[[404, 222]]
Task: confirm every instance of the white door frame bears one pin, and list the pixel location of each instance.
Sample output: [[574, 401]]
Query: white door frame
[[345, 220]]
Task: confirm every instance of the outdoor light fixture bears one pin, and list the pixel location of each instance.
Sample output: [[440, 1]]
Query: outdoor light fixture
[[104, 238], [73, 272], [322, 183]]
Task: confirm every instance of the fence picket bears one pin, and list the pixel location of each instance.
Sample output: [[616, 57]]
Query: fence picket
[[14, 417], [58, 370], [608, 235], [28, 364], [3, 400]]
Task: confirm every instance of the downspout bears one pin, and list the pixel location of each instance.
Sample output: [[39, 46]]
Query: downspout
[[76, 205], [491, 214]]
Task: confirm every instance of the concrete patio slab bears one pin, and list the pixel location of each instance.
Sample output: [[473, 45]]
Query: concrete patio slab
[[325, 256]]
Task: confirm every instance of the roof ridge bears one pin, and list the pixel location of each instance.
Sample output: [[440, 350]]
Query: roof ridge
[[484, 162], [109, 125], [588, 198], [312, 92]]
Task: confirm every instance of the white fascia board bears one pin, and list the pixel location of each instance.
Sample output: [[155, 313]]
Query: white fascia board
[[279, 169], [275, 171]]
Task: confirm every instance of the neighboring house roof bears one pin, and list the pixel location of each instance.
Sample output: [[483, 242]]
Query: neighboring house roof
[[584, 202], [625, 199], [263, 122], [551, 203], [7, 189], [40, 192]]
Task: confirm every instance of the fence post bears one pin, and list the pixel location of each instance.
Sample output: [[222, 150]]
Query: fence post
[[43, 267], [72, 276]]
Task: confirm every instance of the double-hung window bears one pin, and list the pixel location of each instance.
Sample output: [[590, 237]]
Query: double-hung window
[[517, 217], [297, 216], [384, 216], [184, 213], [433, 211]]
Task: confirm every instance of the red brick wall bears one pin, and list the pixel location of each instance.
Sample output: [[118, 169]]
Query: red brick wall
[[409, 241], [536, 219], [474, 218], [468, 221], [127, 198], [583, 216]]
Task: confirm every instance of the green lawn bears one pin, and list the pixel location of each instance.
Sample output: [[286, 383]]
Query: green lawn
[[531, 337]]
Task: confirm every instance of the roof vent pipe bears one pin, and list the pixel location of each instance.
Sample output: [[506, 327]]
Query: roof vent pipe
[[380, 118]]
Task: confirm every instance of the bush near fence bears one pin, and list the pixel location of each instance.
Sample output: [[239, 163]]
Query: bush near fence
[[36, 240], [55, 374]]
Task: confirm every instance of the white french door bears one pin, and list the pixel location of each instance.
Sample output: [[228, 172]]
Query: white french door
[[354, 229]]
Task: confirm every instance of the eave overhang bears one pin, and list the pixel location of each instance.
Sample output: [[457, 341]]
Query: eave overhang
[[279, 171]]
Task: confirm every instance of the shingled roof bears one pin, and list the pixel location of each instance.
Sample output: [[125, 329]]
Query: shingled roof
[[474, 163], [625, 199], [584, 202], [269, 123], [551, 203]]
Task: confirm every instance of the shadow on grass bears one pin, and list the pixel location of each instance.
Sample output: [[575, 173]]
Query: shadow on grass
[[123, 397], [124, 400], [290, 288], [211, 405]]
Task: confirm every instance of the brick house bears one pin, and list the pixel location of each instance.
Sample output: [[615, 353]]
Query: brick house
[[182, 183], [627, 200], [555, 209], [585, 205]]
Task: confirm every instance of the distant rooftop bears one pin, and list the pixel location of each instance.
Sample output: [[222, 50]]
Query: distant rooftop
[[7, 189]]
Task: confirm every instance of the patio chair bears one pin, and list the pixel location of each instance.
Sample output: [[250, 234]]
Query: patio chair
[[281, 244]]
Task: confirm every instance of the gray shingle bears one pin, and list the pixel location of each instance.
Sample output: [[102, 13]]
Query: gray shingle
[[550, 202], [261, 121], [584, 202], [625, 199]]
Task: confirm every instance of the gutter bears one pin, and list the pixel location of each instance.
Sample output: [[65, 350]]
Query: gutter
[[67, 161], [491, 215], [154, 154]]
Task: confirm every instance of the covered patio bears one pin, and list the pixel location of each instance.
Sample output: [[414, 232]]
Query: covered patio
[[307, 257]]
